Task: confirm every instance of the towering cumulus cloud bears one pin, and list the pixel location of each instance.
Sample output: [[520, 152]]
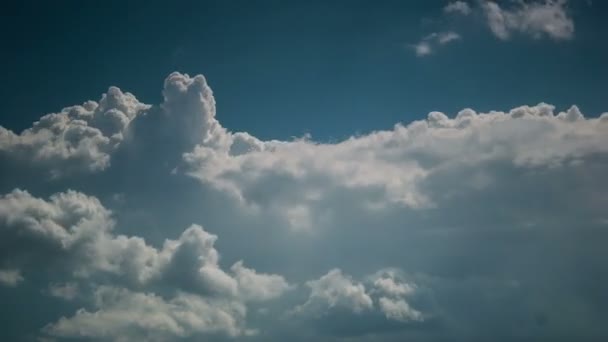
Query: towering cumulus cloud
[[476, 226]]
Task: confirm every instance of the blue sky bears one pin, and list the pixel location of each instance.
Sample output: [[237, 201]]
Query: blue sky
[[325, 68], [304, 171]]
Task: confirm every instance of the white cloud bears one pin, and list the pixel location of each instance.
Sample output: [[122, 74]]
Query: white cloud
[[10, 278], [548, 18], [124, 315], [398, 163], [393, 291], [67, 291], [258, 286], [446, 37], [190, 104], [73, 232], [422, 49], [388, 282], [65, 220], [470, 203], [77, 138], [430, 42], [399, 310], [335, 290], [460, 7]]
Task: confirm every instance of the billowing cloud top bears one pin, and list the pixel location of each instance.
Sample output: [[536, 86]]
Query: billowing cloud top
[[465, 226], [77, 137]]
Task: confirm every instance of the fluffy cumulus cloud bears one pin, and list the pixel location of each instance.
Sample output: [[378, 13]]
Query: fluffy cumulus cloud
[[78, 137], [336, 290], [493, 224], [70, 236], [393, 291], [405, 165], [339, 305], [478, 180], [548, 18], [258, 287]]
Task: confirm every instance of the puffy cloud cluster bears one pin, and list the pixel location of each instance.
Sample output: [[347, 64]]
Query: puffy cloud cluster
[[393, 290], [400, 164], [69, 222], [501, 212], [460, 192], [337, 291], [70, 236], [78, 137], [548, 18]]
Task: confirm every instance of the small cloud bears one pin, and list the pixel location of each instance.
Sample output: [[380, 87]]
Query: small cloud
[[458, 7], [422, 49], [429, 43], [67, 291], [10, 278], [446, 37]]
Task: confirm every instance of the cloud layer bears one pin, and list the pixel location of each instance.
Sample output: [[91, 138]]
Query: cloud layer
[[474, 226]]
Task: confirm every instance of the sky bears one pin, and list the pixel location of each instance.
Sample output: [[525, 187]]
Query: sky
[[304, 170]]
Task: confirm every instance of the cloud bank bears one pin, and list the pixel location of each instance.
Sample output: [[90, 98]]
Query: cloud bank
[[479, 225]]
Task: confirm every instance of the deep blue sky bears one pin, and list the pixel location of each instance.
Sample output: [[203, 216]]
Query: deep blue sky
[[285, 68]]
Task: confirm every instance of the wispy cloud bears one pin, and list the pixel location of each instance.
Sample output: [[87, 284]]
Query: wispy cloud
[[536, 19], [460, 7], [428, 44], [422, 49]]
